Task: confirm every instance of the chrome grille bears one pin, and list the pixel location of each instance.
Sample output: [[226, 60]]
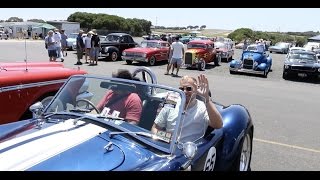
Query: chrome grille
[[248, 63], [134, 54], [188, 58], [303, 68]]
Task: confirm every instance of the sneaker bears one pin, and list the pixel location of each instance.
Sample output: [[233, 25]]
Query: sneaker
[[78, 63], [62, 59]]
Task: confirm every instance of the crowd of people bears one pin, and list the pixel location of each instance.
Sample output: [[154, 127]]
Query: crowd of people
[[56, 44]]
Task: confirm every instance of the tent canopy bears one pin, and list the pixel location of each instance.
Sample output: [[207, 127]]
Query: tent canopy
[[45, 26], [314, 38]]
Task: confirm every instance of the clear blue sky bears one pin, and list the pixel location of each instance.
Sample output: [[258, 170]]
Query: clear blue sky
[[264, 19]]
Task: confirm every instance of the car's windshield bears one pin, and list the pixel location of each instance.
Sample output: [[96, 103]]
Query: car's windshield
[[220, 45], [255, 48], [123, 100], [197, 46], [303, 56], [73, 36], [282, 44], [112, 38], [148, 44]]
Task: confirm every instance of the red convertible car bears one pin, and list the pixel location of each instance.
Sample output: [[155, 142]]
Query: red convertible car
[[150, 51], [22, 84]]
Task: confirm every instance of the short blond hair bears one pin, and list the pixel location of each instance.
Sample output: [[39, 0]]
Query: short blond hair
[[188, 78]]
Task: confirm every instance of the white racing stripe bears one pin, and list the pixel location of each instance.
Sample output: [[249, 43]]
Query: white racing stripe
[[29, 154]]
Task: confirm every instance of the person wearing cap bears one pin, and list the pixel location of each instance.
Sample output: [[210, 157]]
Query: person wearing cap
[[87, 43], [95, 47], [57, 39], [50, 45], [127, 103], [80, 48]]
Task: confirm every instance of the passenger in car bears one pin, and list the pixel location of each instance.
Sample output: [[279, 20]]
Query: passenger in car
[[124, 102], [198, 114]]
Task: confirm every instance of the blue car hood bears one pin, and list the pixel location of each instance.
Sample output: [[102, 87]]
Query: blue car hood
[[68, 147]]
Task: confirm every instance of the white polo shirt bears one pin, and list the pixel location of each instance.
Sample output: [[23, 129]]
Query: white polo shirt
[[194, 124]]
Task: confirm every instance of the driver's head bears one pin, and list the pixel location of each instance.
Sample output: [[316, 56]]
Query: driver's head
[[124, 74], [189, 86]]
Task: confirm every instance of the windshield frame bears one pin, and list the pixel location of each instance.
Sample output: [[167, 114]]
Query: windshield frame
[[174, 140]]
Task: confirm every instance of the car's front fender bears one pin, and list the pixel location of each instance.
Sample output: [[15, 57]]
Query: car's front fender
[[235, 63]]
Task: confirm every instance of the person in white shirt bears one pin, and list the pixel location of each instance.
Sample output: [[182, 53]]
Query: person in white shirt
[[57, 39], [87, 43], [198, 114], [176, 56]]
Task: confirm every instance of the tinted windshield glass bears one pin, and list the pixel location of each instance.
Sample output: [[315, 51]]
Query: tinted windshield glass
[[112, 38], [109, 98], [193, 45], [302, 56], [146, 44]]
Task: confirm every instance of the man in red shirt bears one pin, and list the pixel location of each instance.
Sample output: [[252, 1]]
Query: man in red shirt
[[123, 101]]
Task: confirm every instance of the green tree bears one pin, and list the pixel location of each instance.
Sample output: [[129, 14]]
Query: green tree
[[14, 19]]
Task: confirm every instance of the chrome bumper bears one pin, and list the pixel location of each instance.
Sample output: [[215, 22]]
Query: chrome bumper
[[246, 70], [130, 58]]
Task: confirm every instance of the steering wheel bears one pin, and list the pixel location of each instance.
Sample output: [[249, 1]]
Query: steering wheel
[[87, 105]]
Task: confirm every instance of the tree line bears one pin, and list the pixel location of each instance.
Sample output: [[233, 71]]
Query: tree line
[[181, 28], [135, 27], [299, 38]]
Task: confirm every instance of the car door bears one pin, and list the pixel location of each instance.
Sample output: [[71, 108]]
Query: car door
[[131, 43]]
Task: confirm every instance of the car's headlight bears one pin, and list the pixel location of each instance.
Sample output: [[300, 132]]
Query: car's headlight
[[286, 66], [144, 55], [106, 49], [318, 69], [124, 53]]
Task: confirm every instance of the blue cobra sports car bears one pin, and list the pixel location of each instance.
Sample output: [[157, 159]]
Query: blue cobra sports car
[[253, 60], [72, 133]]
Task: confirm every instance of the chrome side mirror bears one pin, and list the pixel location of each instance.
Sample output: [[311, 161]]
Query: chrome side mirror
[[37, 109], [189, 150]]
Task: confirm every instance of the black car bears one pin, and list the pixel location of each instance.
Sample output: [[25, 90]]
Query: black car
[[115, 43], [301, 64]]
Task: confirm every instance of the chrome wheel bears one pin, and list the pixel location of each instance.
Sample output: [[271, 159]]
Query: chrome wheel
[[245, 155], [152, 61], [114, 56]]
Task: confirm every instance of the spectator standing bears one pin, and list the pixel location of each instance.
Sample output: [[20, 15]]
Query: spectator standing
[[95, 47], [87, 43], [51, 46], [176, 56], [10, 33], [64, 38], [57, 39], [80, 48]]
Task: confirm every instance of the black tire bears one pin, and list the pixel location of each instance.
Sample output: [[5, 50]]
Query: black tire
[[217, 61], [232, 72], [152, 61], [236, 166], [201, 66], [270, 51], [114, 56], [285, 76], [129, 62]]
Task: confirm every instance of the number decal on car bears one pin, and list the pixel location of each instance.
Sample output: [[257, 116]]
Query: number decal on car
[[210, 160]]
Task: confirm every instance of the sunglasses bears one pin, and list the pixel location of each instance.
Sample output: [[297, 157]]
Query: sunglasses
[[187, 88]]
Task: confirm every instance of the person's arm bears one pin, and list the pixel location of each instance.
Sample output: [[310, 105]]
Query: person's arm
[[182, 51], [160, 122], [215, 119]]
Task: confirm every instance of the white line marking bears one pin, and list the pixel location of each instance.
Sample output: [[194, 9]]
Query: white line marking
[[287, 145]]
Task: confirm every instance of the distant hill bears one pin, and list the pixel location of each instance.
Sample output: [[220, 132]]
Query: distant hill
[[204, 32]]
